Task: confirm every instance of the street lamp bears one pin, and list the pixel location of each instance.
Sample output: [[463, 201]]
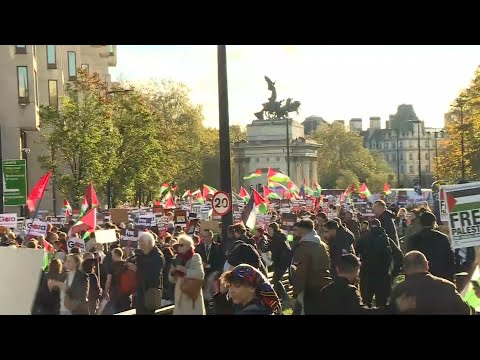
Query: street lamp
[[418, 122], [397, 131], [435, 136], [460, 104]]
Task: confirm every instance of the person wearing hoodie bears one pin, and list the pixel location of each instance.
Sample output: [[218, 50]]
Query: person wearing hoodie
[[387, 219], [340, 242], [375, 271], [310, 268]]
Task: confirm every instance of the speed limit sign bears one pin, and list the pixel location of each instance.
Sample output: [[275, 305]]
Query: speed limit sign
[[221, 203]]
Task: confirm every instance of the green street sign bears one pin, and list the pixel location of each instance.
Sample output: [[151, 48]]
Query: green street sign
[[14, 182]]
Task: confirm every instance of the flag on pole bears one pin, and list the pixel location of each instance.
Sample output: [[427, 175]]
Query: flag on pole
[[269, 194], [37, 192], [87, 222], [68, 208], [186, 194], [90, 199], [164, 188], [208, 190], [253, 175], [244, 194], [256, 205], [277, 176], [317, 189], [169, 204], [364, 191], [386, 189]]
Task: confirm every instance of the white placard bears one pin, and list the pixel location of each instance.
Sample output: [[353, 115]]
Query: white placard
[[36, 227], [19, 279], [8, 220], [75, 243], [105, 236]]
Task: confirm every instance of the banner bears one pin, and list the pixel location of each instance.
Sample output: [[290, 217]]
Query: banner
[[14, 182], [180, 217], [463, 206], [162, 225], [36, 228], [8, 221], [285, 206], [57, 221]]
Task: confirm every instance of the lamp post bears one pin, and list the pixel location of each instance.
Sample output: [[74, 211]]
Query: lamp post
[[397, 131], [435, 137], [460, 105], [109, 183], [418, 122], [288, 150]]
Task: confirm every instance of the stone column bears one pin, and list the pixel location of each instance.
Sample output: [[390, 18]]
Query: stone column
[[314, 170]]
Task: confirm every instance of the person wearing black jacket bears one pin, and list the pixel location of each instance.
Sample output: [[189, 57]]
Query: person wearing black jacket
[[387, 219], [340, 242], [245, 253], [149, 267], [281, 257], [435, 246], [376, 256], [47, 302], [240, 233]]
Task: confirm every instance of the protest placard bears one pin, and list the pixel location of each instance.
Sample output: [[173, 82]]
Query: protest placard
[[105, 236], [75, 243], [463, 206], [146, 220], [180, 217], [35, 228], [8, 221], [119, 215]]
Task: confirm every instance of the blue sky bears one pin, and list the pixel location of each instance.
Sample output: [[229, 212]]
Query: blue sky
[[335, 82]]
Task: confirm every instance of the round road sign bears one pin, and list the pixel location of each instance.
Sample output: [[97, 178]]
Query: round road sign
[[221, 203]]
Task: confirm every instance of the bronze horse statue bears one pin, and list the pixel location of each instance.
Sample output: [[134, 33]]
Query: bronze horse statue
[[274, 109]]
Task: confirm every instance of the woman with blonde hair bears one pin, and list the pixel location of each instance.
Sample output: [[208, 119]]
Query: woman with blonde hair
[[74, 290], [401, 221], [187, 274]]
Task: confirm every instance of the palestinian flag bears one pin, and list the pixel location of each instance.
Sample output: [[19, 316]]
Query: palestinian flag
[[386, 189], [253, 175], [68, 208], [244, 195], [256, 205], [277, 176], [164, 188], [197, 196], [463, 200], [305, 190], [169, 204], [208, 190], [364, 191], [235, 197], [317, 189], [37, 192], [292, 188], [186, 194], [269, 194], [90, 199], [273, 185], [87, 234], [87, 222]]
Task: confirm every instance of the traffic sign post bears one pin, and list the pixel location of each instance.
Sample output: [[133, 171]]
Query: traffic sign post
[[221, 203]]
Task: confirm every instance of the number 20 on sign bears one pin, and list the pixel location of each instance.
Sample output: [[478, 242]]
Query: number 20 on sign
[[221, 203]]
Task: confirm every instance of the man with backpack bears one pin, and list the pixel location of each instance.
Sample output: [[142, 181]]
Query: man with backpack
[[376, 264], [121, 283]]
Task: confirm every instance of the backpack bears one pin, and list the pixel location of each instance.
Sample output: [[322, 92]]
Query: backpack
[[127, 281]]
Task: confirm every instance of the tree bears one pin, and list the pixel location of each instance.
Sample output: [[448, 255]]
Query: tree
[[346, 179], [81, 137], [342, 158], [449, 161]]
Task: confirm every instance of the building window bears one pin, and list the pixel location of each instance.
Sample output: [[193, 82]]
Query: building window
[[86, 68], [401, 157], [386, 157], [426, 156], [22, 78], [401, 168], [35, 84], [427, 145], [411, 143], [72, 66], [53, 93], [394, 157], [427, 168], [400, 145], [268, 159], [379, 145], [411, 169], [51, 57], [386, 145], [20, 49], [410, 156], [110, 50], [277, 158], [393, 145]]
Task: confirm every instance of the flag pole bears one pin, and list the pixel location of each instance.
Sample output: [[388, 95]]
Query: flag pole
[[34, 217]]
